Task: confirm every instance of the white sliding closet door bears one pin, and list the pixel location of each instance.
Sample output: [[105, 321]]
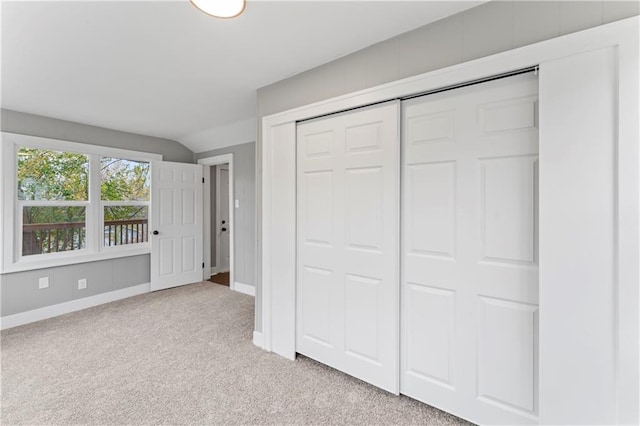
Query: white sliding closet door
[[469, 246], [348, 272]]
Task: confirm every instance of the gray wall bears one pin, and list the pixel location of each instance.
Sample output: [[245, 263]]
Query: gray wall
[[486, 29], [19, 291], [36, 125], [490, 28], [244, 181]]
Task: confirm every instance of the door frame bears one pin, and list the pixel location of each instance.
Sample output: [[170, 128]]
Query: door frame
[[208, 162], [278, 209]]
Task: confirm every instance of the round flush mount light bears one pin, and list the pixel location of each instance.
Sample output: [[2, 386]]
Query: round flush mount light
[[220, 8]]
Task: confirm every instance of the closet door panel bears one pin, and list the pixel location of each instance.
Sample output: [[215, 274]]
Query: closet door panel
[[348, 231], [469, 257]]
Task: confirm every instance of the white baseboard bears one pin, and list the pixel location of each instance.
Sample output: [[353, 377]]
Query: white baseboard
[[244, 288], [72, 306], [258, 339]]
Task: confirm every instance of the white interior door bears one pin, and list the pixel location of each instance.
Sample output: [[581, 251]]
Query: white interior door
[[224, 225], [176, 224], [470, 263], [347, 272]]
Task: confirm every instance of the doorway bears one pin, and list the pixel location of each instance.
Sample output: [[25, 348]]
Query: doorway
[[218, 220], [220, 231]]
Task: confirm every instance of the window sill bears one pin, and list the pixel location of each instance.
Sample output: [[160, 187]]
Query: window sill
[[31, 265]]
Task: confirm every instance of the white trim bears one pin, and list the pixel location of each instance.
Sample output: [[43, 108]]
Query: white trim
[[74, 258], [206, 240], [244, 288], [628, 234], [275, 263], [577, 297], [124, 203], [258, 339], [72, 306], [9, 197], [214, 270], [3, 200], [278, 184]]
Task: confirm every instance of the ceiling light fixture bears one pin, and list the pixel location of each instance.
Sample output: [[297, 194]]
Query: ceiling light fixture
[[220, 8]]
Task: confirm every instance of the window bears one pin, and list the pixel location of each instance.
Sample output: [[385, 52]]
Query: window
[[65, 202], [53, 192], [124, 192]]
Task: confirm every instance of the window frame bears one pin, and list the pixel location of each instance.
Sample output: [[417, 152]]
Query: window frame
[[11, 211]]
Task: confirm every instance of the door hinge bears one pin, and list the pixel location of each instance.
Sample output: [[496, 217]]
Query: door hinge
[[202, 265], [202, 180]]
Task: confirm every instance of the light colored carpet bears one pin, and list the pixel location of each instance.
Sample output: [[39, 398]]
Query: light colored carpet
[[179, 356]]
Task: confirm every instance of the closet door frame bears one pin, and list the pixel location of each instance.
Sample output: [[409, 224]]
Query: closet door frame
[[557, 59]]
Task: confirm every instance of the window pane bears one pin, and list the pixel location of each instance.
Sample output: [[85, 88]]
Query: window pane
[[49, 229], [125, 225], [124, 180], [52, 175]]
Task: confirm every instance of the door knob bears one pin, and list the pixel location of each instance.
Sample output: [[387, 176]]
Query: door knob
[[155, 232]]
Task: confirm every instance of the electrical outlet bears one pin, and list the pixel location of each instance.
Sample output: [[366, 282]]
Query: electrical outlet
[[43, 282], [237, 204], [82, 284]]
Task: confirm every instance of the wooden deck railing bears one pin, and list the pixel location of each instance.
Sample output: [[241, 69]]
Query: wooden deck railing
[[118, 232], [41, 238]]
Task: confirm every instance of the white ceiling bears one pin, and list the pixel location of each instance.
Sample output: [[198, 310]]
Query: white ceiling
[[162, 68]]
